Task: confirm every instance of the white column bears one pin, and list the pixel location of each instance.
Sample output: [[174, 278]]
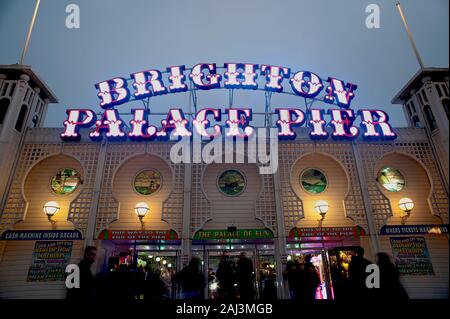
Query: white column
[[280, 239], [92, 219], [186, 231], [373, 232]]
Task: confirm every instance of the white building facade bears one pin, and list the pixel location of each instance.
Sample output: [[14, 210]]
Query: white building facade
[[205, 210]]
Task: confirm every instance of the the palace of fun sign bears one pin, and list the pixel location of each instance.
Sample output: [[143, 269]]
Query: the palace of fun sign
[[374, 124]]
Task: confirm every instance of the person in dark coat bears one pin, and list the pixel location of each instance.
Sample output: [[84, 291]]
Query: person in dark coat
[[290, 275], [86, 292], [154, 286], [226, 277], [245, 277], [390, 286], [191, 280], [312, 279], [357, 275]]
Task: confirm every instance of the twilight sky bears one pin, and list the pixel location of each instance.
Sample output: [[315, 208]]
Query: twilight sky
[[327, 37]]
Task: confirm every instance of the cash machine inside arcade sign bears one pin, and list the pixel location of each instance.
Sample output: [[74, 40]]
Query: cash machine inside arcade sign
[[207, 122]]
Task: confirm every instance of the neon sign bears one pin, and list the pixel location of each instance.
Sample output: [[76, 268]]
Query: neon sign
[[374, 124]]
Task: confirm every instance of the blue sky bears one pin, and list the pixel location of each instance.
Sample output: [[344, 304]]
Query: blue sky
[[327, 37]]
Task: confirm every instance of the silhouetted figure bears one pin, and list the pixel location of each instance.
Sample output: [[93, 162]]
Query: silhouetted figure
[[106, 281], [312, 279], [86, 292], [191, 280], [291, 276], [154, 286], [357, 275], [226, 277], [245, 277], [340, 284], [390, 286]]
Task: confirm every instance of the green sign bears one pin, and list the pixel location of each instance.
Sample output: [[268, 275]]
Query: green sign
[[237, 234]]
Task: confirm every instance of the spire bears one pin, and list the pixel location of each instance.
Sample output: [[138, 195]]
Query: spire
[[30, 29], [411, 39]]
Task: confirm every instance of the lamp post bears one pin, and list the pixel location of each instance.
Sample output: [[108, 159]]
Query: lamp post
[[406, 205], [321, 207], [141, 209], [50, 209]]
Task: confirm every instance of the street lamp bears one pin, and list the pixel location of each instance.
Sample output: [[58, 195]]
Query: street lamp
[[406, 205], [50, 209], [141, 210], [321, 207]]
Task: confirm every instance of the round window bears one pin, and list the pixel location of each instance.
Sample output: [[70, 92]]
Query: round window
[[313, 181], [231, 183], [65, 181], [148, 182], [391, 179]]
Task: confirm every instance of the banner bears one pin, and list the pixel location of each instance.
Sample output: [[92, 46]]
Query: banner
[[411, 256], [50, 259], [42, 235], [326, 232], [237, 234], [414, 230], [138, 235]]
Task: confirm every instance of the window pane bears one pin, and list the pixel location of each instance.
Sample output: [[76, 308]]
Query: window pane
[[231, 183], [391, 179], [65, 181], [313, 181], [21, 118], [148, 182]]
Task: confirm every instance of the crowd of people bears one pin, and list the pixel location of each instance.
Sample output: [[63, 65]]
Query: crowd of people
[[119, 282], [357, 285], [302, 279], [235, 280]]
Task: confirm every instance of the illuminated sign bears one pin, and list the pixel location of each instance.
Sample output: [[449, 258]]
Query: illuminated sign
[[236, 234], [326, 232], [414, 230], [41, 235], [146, 84], [138, 235]]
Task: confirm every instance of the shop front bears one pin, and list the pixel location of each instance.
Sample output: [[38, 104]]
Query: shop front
[[329, 250], [142, 252], [222, 252]]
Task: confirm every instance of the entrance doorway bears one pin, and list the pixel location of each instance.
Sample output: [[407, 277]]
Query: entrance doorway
[[319, 261], [331, 265], [142, 261], [225, 273]]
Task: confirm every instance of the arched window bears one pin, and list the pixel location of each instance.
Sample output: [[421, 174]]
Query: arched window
[[416, 122], [413, 107], [21, 118], [408, 109], [4, 105], [446, 107], [430, 117]]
